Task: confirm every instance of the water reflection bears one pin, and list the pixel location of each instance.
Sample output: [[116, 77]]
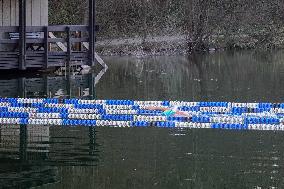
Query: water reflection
[[81, 157], [30, 156], [225, 76], [51, 86]]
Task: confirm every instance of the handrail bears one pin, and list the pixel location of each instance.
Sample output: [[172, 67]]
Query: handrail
[[47, 35], [41, 29], [72, 28]]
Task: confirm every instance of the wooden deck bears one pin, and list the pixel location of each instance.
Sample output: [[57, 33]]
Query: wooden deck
[[64, 50]]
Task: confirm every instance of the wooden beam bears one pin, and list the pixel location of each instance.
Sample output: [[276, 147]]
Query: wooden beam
[[56, 28], [97, 57], [22, 87], [22, 34], [92, 32], [9, 29], [46, 46], [23, 142], [81, 28], [69, 50]]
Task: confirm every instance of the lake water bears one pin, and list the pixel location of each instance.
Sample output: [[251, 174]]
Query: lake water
[[80, 157]]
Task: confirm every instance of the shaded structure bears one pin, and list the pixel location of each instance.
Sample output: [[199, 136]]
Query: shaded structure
[[81, 86], [27, 41]]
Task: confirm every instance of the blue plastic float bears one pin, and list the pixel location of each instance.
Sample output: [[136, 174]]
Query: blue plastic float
[[130, 113]]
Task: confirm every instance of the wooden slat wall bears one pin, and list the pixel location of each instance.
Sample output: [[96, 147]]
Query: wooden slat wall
[[1, 12], [13, 12], [29, 12], [44, 12], [37, 12], [36, 9], [8, 60], [6, 13], [17, 12]]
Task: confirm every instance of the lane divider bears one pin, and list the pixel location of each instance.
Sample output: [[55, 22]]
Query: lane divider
[[130, 113]]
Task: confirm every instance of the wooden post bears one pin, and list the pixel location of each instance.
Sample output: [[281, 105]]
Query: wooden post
[[68, 47], [92, 140], [68, 86], [0, 134], [46, 88], [92, 32], [22, 34], [22, 87], [23, 142], [92, 85], [45, 47]]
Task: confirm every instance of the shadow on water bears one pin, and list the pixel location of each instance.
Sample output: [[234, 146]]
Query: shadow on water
[[31, 156], [81, 157], [50, 86]]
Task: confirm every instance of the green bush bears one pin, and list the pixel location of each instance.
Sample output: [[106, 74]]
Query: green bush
[[198, 19]]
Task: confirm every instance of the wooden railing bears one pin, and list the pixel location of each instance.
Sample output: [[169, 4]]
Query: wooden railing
[[48, 55]]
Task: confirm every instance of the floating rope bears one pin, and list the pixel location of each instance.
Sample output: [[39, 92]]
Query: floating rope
[[130, 113]]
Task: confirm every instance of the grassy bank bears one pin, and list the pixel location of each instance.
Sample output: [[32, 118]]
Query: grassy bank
[[178, 26]]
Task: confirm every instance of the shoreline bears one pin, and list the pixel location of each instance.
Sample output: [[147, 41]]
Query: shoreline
[[177, 45], [159, 45]]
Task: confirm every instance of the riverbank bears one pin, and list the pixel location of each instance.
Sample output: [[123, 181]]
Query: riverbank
[[159, 45], [177, 44], [212, 24]]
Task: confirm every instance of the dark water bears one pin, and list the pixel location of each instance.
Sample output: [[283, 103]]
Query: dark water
[[79, 157]]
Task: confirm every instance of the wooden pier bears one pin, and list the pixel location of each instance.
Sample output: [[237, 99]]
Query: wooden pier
[[28, 44]]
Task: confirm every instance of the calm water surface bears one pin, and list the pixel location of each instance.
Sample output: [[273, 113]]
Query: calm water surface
[[79, 157]]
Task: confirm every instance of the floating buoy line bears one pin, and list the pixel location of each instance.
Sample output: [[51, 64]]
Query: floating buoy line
[[130, 113]]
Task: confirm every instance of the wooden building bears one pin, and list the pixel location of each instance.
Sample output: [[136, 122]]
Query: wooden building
[[36, 14], [27, 41]]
